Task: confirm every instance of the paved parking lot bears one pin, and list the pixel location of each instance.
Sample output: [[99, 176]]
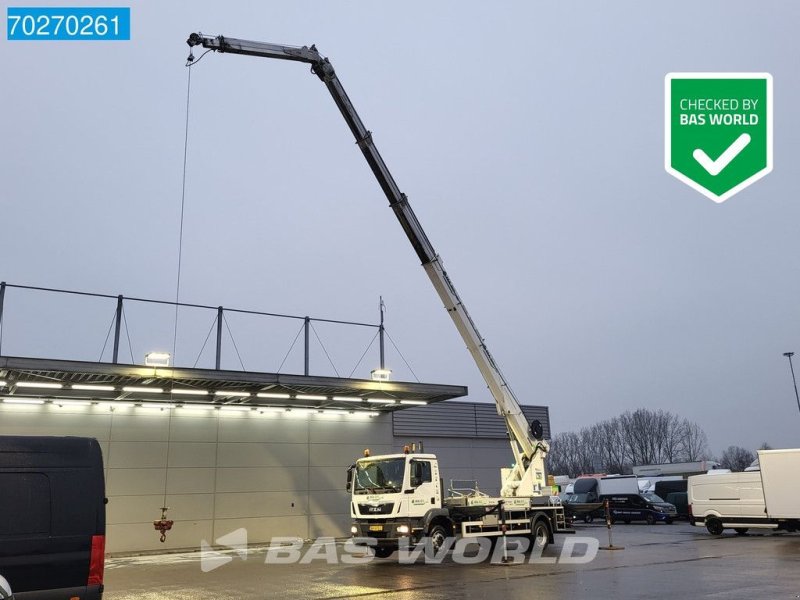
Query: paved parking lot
[[659, 561]]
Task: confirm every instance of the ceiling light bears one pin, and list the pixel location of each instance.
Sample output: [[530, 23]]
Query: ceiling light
[[236, 408], [381, 400], [113, 405], [310, 397], [21, 401], [142, 390], [2, 384], [347, 399], [156, 405], [93, 388], [232, 393], [157, 359], [72, 402], [39, 384], [188, 392], [413, 402], [271, 395], [197, 406]]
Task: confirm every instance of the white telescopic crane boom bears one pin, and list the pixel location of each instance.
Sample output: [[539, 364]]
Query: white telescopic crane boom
[[529, 449]]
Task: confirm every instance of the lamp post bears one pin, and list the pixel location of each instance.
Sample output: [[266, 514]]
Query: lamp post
[[789, 355]]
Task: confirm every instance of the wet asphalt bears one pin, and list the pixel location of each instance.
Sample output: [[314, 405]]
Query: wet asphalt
[[659, 561]]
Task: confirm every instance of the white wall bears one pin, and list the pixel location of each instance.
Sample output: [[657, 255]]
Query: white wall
[[277, 474]]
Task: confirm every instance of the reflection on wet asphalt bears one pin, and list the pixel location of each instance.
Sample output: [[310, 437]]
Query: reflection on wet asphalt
[[677, 560]]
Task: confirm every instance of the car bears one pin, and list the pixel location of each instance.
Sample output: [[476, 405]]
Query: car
[[52, 517], [681, 502]]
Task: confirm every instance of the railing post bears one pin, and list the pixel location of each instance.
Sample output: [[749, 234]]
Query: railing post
[[307, 327], [2, 300], [380, 336], [219, 337], [117, 327]]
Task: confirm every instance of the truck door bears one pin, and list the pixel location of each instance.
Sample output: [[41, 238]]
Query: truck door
[[423, 486]]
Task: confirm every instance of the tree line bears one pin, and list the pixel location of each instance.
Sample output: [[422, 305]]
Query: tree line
[[639, 437]]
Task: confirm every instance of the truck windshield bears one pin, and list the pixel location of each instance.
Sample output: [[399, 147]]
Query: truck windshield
[[379, 476], [652, 497]]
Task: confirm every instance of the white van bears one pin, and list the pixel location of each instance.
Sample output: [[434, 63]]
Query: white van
[[727, 500]]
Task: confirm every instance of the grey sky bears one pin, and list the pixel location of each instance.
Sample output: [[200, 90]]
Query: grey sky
[[529, 139]]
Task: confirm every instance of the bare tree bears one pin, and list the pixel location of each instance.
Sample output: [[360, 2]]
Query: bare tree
[[694, 443], [736, 458]]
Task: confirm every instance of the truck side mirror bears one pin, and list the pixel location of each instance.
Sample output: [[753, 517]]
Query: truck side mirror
[[537, 431], [350, 477]]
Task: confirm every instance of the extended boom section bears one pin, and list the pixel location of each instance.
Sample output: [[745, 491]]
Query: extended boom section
[[526, 477]]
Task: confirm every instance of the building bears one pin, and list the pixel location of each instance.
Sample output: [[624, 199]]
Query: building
[[221, 460]]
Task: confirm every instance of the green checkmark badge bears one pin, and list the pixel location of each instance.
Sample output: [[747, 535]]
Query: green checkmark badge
[[718, 130]]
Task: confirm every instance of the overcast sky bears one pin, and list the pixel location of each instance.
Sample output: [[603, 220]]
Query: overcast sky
[[529, 139]]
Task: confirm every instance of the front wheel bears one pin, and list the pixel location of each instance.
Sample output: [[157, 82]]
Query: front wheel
[[438, 537], [383, 551], [588, 518], [650, 519], [714, 526], [668, 521]]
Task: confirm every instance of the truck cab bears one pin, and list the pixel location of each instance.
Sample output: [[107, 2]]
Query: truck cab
[[394, 496]]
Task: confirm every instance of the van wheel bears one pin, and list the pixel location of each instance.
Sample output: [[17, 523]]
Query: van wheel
[[626, 521], [588, 518], [714, 526], [383, 551], [540, 536], [650, 519], [668, 521], [741, 530]]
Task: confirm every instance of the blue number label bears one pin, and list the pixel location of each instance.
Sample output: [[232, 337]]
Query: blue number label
[[62, 23]]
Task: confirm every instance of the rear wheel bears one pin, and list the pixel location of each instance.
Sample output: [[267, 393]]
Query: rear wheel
[[588, 518], [741, 530], [714, 526], [540, 536], [383, 551]]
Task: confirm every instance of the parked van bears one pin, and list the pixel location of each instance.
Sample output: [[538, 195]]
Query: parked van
[[734, 500], [765, 499], [640, 507], [52, 517]]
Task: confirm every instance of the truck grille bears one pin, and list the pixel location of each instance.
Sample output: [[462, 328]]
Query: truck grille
[[372, 509]]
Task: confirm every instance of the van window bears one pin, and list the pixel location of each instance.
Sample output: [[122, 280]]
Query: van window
[[24, 504]]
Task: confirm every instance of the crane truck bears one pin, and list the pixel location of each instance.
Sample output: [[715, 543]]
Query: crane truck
[[399, 497]]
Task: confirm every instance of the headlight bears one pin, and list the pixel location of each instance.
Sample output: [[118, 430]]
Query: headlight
[[402, 529], [354, 530]]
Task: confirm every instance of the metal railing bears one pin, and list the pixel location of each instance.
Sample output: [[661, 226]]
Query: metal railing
[[220, 319]]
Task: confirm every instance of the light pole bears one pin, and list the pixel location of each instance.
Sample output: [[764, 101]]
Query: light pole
[[789, 355]]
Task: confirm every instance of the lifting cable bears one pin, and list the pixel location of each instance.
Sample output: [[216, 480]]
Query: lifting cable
[[163, 525]]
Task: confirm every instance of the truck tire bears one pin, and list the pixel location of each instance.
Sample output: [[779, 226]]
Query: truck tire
[[438, 536], [540, 535], [383, 551], [740, 530], [714, 526]]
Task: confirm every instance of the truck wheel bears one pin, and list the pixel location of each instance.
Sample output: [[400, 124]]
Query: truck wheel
[[741, 530], [540, 535], [383, 551], [588, 518], [714, 526], [651, 520], [438, 536]]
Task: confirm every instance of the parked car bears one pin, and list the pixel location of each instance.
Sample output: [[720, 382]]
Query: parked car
[[52, 517], [640, 507]]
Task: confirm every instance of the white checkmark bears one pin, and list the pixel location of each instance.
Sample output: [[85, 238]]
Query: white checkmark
[[714, 167]]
